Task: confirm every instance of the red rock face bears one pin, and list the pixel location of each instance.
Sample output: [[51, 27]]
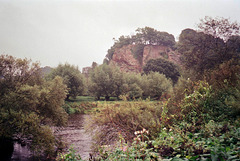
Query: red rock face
[[154, 52], [124, 57]]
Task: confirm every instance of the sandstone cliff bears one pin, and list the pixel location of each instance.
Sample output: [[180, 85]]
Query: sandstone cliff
[[129, 59]]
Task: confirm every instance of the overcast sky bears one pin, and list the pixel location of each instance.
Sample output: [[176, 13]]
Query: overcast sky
[[80, 32]]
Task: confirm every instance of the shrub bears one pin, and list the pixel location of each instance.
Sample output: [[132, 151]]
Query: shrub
[[180, 143], [227, 71], [126, 117], [154, 85], [69, 156], [200, 102]]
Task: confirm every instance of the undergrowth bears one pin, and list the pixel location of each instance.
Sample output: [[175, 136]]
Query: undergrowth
[[203, 123]]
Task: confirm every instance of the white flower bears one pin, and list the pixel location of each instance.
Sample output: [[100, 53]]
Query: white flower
[[137, 132], [143, 130]]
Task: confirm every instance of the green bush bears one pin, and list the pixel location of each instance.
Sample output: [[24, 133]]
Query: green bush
[[162, 66], [69, 156], [154, 85], [199, 102]]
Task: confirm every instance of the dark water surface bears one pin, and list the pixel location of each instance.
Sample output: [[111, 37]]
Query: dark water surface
[[74, 134]]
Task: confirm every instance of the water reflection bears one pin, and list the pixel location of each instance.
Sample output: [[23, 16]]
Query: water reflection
[[74, 134]]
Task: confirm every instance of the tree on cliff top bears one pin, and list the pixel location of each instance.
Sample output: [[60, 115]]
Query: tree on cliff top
[[143, 36], [151, 36], [28, 103]]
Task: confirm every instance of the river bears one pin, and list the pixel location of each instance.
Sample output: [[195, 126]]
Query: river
[[73, 134]]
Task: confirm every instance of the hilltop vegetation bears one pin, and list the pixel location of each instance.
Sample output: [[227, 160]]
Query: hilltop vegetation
[[143, 36]]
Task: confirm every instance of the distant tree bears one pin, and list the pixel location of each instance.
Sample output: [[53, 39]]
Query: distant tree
[[155, 84], [228, 71], [72, 77], [28, 104], [133, 85], [106, 81], [233, 47], [223, 28], [219, 27], [94, 64], [200, 51], [119, 81], [146, 35], [151, 36], [162, 66], [46, 70]]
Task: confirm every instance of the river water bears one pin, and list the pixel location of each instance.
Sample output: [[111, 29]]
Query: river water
[[73, 134]]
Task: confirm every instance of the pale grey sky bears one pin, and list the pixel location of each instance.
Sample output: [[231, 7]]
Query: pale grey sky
[[80, 32]]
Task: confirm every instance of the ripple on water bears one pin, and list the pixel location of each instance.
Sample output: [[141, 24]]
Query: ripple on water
[[74, 134]]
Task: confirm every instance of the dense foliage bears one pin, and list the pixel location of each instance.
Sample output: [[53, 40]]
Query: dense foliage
[[28, 104], [202, 51], [201, 125], [169, 69], [108, 81], [72, 77]]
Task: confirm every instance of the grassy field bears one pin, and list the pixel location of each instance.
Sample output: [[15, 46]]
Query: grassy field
[[84, 104], [91, 99]]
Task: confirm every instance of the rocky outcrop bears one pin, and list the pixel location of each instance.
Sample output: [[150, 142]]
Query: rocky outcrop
[[124, 58], [128, 61]]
